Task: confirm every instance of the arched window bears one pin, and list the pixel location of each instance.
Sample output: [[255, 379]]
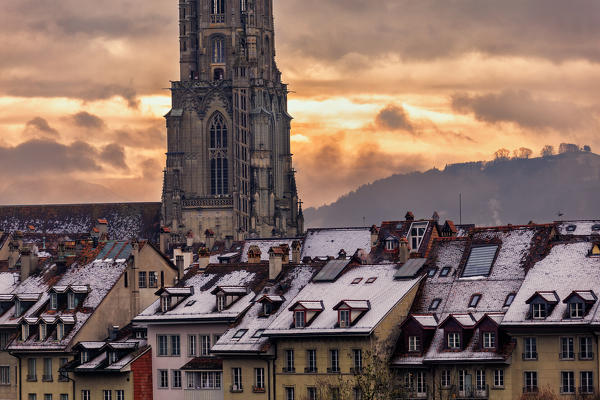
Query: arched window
[[218, 50], [219, 165]]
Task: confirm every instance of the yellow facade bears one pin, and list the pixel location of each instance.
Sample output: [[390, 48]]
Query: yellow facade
[[249, 389], [36, 381], [96, 385]]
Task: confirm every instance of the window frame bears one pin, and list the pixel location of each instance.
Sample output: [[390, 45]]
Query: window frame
[[589, 348], [414, 344], [259, 378], [142, 280], [299, 323], [530, 348], [445, 379], [567, 348], [163, 379], [499, 378], [334, 360], [539, 311], [488, 340], [567, 386], [175, 342], [453, 344]]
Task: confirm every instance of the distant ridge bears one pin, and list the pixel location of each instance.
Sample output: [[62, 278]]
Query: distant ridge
[[508, 191]]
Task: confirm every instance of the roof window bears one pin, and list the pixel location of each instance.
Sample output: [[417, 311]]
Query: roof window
[[509, 299], [480, 261], [190, 303], [435, 303], [431, 272], [416, 234], [356, 281], [571, 228], [371, 279], [596, 227], [474, 300], [258, 333], [445, 271], [240, 333]]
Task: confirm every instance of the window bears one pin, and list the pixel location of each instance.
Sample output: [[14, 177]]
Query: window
[[289, 393], [499, 378], [530, 382], [576, 310], [567, 382], [357, 360], [259, 379], [311, 361], [445, 378], [85, 394], [267, 308], [344, 318], [587, 381], [538, 310], [445, 271], [53, 301], [107, 394], [299, 319], [219, 163], [85, 356], [435, 303], [390, 244], [567, 351], [431, 272], [239, 334], [311, 393], [176, 380], [163, 378], [163, 345], [421, 382], [462, 374], [586, 349], [65, 396], [356, 281], [530, 349], [47, 377], [489, 340], [43, 331], [120, 394], [113, 357], [480, 261], [289, 361], [60, 331], [152, 279], [31, 369], [474, 300], [192, 345], [335, 393], [334, 360], [4, 375], [409, 381], [236, 374], [480, 379], [509, 299], [371, 279], [258, 333], [24, 332], [203, 380], [220, 302], [71, 301], [175, 345], [48, 396], [4, 338], [142, 279], [218, 50], [453, 340], [414, 343], [32, 396], [217, 12], [417, 231]]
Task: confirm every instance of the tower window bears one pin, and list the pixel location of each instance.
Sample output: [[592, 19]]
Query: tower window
[[218, 11], [218, 50], [219, 166]]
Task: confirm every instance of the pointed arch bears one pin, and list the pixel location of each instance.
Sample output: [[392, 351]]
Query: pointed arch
[[219, 163]]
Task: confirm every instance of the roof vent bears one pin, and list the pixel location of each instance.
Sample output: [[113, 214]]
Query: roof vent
[[571, 228], [596, 228]]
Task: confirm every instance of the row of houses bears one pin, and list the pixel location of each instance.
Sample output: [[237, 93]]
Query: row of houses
[[424, 310]]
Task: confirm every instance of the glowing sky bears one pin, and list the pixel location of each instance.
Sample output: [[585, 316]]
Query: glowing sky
[[379, 87]]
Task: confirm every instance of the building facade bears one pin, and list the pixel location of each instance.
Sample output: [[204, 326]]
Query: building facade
[[229, 164]]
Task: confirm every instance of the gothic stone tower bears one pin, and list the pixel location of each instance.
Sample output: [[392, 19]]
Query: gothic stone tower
[[229, 167]]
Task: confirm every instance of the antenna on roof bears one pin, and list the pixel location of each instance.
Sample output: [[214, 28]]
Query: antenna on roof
[[460, 208]]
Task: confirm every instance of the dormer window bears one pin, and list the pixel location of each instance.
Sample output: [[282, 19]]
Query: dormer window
[[42, 331], [85, 356], [391, 243], [60, 331], [267, 308], [489, 340], [299, 319], [18, 308], [538, 311], [112, 357], [454, 340], [71, 301], [414, 343], [344, 317], [542, 304], [417, 232], [220, 302], [576, 310], [24, 332], [53, 301], [165, 303]]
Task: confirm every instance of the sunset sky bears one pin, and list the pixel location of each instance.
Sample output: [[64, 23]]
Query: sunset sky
[[379, 87]]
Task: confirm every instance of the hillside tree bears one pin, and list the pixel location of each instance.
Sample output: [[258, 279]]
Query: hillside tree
[[502, 154], [547, 151]]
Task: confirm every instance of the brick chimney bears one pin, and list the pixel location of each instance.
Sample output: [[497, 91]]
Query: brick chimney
[[102, 228], [296, 247], [179, 262], [203, 257], [285, 248], [275, 262], [165, 239], [254, 254], [29, 263], [403, 251], [210, 238]]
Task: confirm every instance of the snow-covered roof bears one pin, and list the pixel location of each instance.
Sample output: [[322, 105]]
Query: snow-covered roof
[[264, 245], [565, 269], [427, 321], [308, 305], [579, 227], [329, 241], [353, 304], [202, 305], [383, 294]]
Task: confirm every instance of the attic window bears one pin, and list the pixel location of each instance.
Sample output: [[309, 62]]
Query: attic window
[[240, 333], [509, 299], [576, 310], [474, 300], [371, 279], [113, 357], [190, 303], [571, 228], [344, 318], [165, 303], [220, 302], [417, 232], [60, 331], [538, 310], [85, 356], [445, 271], [258, 333], [596, 227], [431, 272], [435, 303], [356, 281], [299, 319], [53, 301]]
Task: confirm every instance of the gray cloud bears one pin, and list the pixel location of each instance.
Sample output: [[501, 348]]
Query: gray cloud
[[523, 109], [87, 120], [393, 118], [39, 124], [153, 137], [114, 155]]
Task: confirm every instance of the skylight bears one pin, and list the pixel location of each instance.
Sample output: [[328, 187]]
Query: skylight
[[371, 279], [596, 227], [480, 261], [431, 272], [240, 333], [509, 299], [571, 228], [258, 333], [435, 303], [474, 300], [356, 281], [445, 271], [190, 303]]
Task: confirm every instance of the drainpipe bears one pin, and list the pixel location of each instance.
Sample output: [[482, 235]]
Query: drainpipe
[[19, 379], [275, 373], [269, 374]]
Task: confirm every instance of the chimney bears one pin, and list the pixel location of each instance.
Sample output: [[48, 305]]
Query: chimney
[[165, 236], [228, 242], [180, 267], [275, 262], [285, 248], [189, 239], [210, 238], [403, 251], [374, 235], [135, 307], [254, 254], [101, 228], [29, 263], [409, 216], [296, 247], [342, 254], [13, 253], [113, 332], [203, 257]]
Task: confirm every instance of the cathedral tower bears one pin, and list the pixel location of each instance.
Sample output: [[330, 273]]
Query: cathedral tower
[[229, 166]]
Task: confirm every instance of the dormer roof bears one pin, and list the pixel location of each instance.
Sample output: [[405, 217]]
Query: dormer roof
[[176, 291], [359, 305], [231, 290], [549, 297], [308, 305], [587, 296], [271, 298], [466, 321]]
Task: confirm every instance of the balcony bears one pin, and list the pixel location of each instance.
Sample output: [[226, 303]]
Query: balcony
[[530, 356], [192, 394], [236, 389], [470, 392]]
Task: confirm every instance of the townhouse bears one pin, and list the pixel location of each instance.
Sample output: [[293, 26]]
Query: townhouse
[[57, 305], [452, 344]]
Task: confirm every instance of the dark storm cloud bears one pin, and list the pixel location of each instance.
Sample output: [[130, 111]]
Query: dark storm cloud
[[39, 124], [523, 109], [433, 29], [150, 138], [86, 120], [393, 118], [114, 155]]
